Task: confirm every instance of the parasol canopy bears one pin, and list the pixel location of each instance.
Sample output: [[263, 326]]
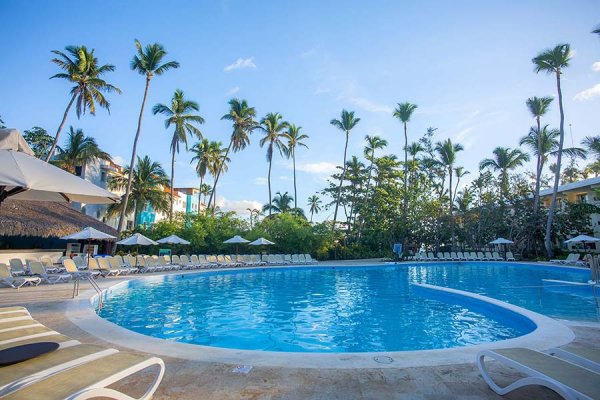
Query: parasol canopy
[[582, 239], [173, 239], [502, 241], [88, 233], [25, 177], [137, 239], [236, 240], [261, 242]]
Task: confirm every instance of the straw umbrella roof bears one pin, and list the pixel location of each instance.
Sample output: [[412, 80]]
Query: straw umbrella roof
[[45, 219]]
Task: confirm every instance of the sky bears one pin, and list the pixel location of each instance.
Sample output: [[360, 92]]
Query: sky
[[466, 64]]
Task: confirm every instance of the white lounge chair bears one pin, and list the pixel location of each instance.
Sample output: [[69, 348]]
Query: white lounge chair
[[567, 379], [460, 256], [40, 271], [309, 259], [569, 258], [496, 256], [488, 256], [15, 282], [584, 357], [509, 256], [72, 269], [16, 267], [104, 266]]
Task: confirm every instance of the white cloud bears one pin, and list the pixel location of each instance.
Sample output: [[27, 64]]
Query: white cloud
[[368, 105], [119, 160], [322, 90], [596, 66], [233, 90], [260, 180], [286, 178], [321, 168], [588, 94], [241, 63], [239, 206]]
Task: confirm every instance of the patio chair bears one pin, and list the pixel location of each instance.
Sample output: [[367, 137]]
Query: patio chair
[[212, 260], [104, 267], [203, 262], [80, 263], [585, 357], [489, 256], [76, 273], [567, 379], [481, 256], [440, 256], [454, 256], [460, 256], [509, 256], [49, 265], [16, 282], [117, 264], [38, 270], [152, 264], [497, 257], [447, 256], [16, 267], [309, 259]]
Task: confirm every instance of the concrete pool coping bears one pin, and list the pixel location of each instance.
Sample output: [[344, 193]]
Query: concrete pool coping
[[549, 333]]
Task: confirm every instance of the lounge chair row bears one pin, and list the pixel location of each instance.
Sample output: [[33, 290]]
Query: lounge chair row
[[572, 259], [74, 370], [463, 256]]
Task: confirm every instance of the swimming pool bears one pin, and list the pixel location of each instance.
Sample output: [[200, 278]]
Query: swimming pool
[[342, 309]]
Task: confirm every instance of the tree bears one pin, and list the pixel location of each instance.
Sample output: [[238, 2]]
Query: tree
[[78, 151], [346, 123], [403, 112], [273, 127], [149, 180], [207, 155], [447, 153], [505, 160], [314, 205], [538, 106], [373, 143], [460, 172], [180, 114], [219, 162], [39, 140], [205, 190], [597, 30], [553, 61], [2, 126], [147, 62], [294, 139], [243, 123], [254, 213], [281, 203], [593, 145], [81, 67]]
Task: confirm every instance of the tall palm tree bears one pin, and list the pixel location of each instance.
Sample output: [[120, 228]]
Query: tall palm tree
[[253, 212], [373, 143], [460, 172], [181, 115], [294, 139], [149, 180], [204, 153], [205, 189], [505, 160], [148, 62], [538, 106], [273, 127], [593, 145], [447, 153], [346, 123], [553, 61], [403, 112], [281, 203], [218, 163], [243, 123], [314, 205], [79, 151], [81, 67]]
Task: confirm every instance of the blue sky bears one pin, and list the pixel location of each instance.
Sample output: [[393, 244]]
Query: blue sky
[[467, 64]]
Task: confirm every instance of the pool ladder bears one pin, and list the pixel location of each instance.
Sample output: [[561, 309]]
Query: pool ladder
[[94, 284]]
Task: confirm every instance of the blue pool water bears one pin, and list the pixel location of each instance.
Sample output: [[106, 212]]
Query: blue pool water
[[348, 309]]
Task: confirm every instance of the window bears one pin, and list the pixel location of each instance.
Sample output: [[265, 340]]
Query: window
[[103, 176], [582, 198], [78, 170]]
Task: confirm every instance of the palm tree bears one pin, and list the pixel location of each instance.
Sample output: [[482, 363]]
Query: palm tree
[[597, 30], [149, 180], [218, 162], [81, 67], [548, 138], [202, 157], [553, 61], [180, 114], [294, 139], [79, 151], [205, 189], [346, 123], [252, 212], [147, 62], [460, 172], [242, 118], [314, 205], [447, 153], [373, 143], [273, 127], [505, 160], [538, 106], [281, 203], [403, 112], [593, 145]]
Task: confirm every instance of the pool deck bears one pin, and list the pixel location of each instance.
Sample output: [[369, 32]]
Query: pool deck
[[192, 379]]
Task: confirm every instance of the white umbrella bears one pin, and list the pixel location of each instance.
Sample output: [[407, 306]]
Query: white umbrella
[[88, 233], [25, 177], [173, 239], [137, 239], [582, 239], [260, 242], [236, 240], [502, 241]]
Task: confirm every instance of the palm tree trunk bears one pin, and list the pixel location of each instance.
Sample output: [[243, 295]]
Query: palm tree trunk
[[405, 170], [210, 199], [62, 124], [547, 238], [133, 155], [295, 190], [172, 181], [269, 176], [311, 215], [135, 215], [450, 208], [536, 195], [200, 194], [339, 193]]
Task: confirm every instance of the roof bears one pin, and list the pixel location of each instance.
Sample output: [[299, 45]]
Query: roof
[[572, 186], [45, 219]]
